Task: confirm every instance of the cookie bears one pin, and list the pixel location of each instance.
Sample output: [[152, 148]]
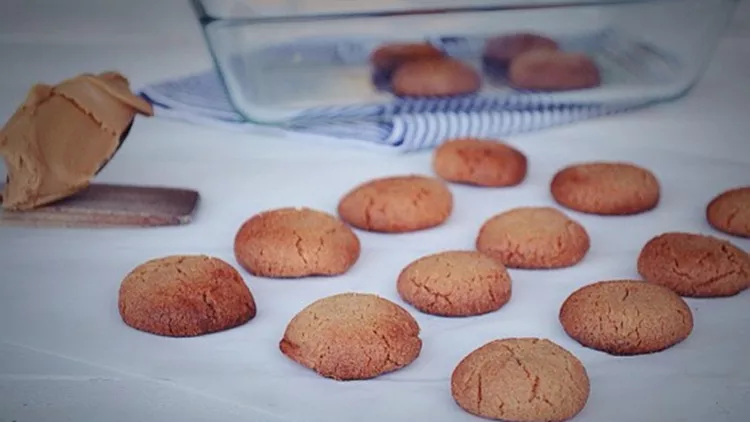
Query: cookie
[[729, 212], [521, 380], [479, 162], [397, 204], [455, 283], [388, 57], [295, 242], [503, 49], [352, 336], [435, 78], [606, 188], [546, 70], [185, 296], [626, 317], [533, 238], [695, 265]]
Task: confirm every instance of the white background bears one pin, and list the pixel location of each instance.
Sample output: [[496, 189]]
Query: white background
[[64, 354]]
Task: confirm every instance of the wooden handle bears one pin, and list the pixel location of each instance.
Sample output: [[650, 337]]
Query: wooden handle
[[106, 205]]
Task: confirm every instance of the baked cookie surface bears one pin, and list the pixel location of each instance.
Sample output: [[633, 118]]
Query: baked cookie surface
[[626, 317], [295, 242], [185, 296], [695, 265], [352, 336], [548, 70], [521, 380], [435, 78], [729, 212], [388, 57], [503, 49], [480, 162], [455, 283], [397, 204], [606, 188], [533, 238]]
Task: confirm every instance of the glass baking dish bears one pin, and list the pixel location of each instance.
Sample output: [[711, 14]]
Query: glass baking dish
[[287, 61]]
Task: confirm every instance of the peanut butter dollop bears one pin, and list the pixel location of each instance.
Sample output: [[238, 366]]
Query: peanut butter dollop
[[59, 138]]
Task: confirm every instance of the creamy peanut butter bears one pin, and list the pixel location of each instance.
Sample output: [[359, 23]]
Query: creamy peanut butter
[[60, 137]]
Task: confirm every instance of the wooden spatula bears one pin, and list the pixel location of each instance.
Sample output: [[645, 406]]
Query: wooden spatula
[[106, 205]]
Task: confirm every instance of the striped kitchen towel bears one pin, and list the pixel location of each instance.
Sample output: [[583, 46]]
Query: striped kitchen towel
[[403, 126]]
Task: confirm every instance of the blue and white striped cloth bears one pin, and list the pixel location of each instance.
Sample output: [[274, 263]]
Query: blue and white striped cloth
[[405, 125]]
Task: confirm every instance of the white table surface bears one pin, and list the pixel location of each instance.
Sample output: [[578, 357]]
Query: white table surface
[[57, 287]]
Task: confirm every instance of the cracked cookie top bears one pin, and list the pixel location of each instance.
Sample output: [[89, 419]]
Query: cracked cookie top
[[397, 204], [352, 336], [185, 296], [479, 162], [729, 212], [521, 379], [533, 238], [455, 283], [296, 242], [606, 188], [695, 265], [626, 317]]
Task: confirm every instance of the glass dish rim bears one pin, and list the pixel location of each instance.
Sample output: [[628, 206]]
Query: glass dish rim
[[204, 17], [207, 21]]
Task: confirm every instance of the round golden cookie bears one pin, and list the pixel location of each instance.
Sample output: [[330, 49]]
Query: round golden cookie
[[626, 317], [503, 49], [390, 56], [548, 70], [695, 265], [480, 162], [435, 78], [397, 204], [606, 188], [455, 283], [352, 336], [295, 242], [521, 380], [533, 238], [729, 212], [185, 296]]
